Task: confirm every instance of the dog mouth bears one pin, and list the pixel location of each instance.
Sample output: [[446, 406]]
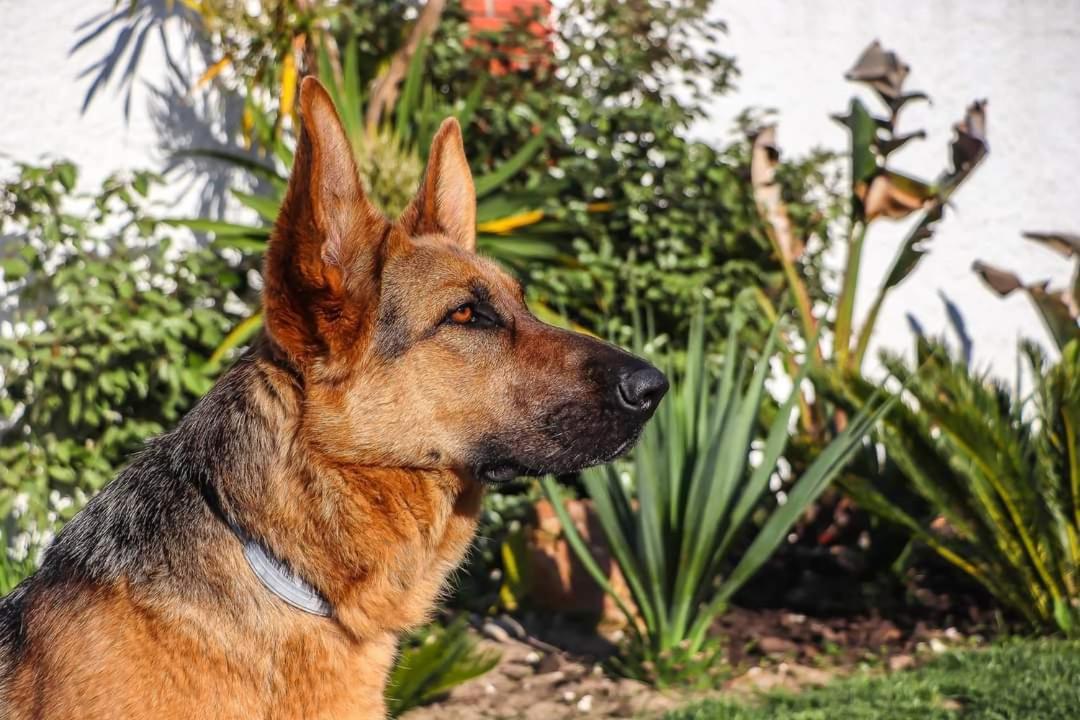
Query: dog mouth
[[504, 469]]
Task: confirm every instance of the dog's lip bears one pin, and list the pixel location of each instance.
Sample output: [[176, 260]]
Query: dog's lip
[[623, 447], [500, 472], [505, 469]]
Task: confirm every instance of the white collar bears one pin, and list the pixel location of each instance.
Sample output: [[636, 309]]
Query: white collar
[[276, 577]]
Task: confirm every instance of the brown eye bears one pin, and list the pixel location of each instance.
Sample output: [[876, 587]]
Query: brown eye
[[463, 315]]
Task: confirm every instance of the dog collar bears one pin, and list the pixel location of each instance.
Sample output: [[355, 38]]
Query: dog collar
[[280, 580]]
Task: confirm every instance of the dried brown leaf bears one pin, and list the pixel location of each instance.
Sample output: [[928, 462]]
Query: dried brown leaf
[[764, 157], [1000, 281], [1067, 244], [893, 196], [882, 70], [970, 145]]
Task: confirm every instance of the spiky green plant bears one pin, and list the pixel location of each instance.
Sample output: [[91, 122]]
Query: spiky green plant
[[999, 476], [432, 662], [684, 527]]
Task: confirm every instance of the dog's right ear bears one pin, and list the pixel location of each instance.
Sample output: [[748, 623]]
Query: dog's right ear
[[321, 276]]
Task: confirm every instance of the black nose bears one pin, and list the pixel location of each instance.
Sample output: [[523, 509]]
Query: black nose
[[641, 389]]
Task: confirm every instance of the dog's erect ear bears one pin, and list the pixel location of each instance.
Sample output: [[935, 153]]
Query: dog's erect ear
[[322, 263], [446, 202]]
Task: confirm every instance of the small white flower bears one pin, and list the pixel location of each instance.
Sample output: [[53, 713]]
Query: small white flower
[[775, 483], [20, 504]]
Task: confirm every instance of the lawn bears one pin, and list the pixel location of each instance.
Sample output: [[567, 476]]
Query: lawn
[[1028, 680]]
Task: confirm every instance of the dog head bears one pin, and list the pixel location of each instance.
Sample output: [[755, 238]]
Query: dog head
[[414, 350]]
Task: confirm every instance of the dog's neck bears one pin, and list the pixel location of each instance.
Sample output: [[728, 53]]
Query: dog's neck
[[377, 543]]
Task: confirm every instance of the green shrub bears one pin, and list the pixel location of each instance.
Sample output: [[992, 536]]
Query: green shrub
[[12, 571], [618, 200], [107, 341], [432, 662], [679, 227], [998, 476], [390, 158], [677, 523]]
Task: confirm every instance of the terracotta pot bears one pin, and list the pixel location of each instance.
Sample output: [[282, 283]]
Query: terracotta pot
[[559, 582]]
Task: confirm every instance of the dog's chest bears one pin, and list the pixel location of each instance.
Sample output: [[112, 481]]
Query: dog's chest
[[413, 550]]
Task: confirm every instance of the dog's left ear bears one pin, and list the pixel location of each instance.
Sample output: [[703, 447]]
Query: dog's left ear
[[446, 202]]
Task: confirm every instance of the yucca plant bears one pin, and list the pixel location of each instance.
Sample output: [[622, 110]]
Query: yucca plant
[[998, 476], [691, 522], [433, 661]]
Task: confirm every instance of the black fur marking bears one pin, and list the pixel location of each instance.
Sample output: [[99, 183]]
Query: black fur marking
[[391, 330]]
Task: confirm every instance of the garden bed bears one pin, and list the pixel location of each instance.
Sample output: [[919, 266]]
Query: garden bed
[[554, 668]]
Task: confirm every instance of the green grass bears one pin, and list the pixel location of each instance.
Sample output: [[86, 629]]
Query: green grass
[[1018, 680]]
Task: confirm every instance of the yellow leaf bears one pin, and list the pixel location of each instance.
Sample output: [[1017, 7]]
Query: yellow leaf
[[212, 72], [516, 580], [501, 226], [196, 6], [247, 125], [600, 207], [288, 85]]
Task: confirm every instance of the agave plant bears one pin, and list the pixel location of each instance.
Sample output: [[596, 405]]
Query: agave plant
[[683, 526], [432, 662], [999, 476]]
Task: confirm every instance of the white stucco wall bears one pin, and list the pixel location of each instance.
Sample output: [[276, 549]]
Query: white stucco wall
[[1020, 55], [41, 94]]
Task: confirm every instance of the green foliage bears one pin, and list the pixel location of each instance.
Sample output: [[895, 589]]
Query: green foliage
[[391, 158], [12, 571], [106, 341], [998, 477], [432, 662], [652, 213], [1018, 680], [245, 51], [677, 524], [614, 184]]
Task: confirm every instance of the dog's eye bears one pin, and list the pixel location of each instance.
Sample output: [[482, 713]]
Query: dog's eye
[[477, 315], [463, 315]]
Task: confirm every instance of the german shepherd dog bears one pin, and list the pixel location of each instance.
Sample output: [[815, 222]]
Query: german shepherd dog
[[343, 458]]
